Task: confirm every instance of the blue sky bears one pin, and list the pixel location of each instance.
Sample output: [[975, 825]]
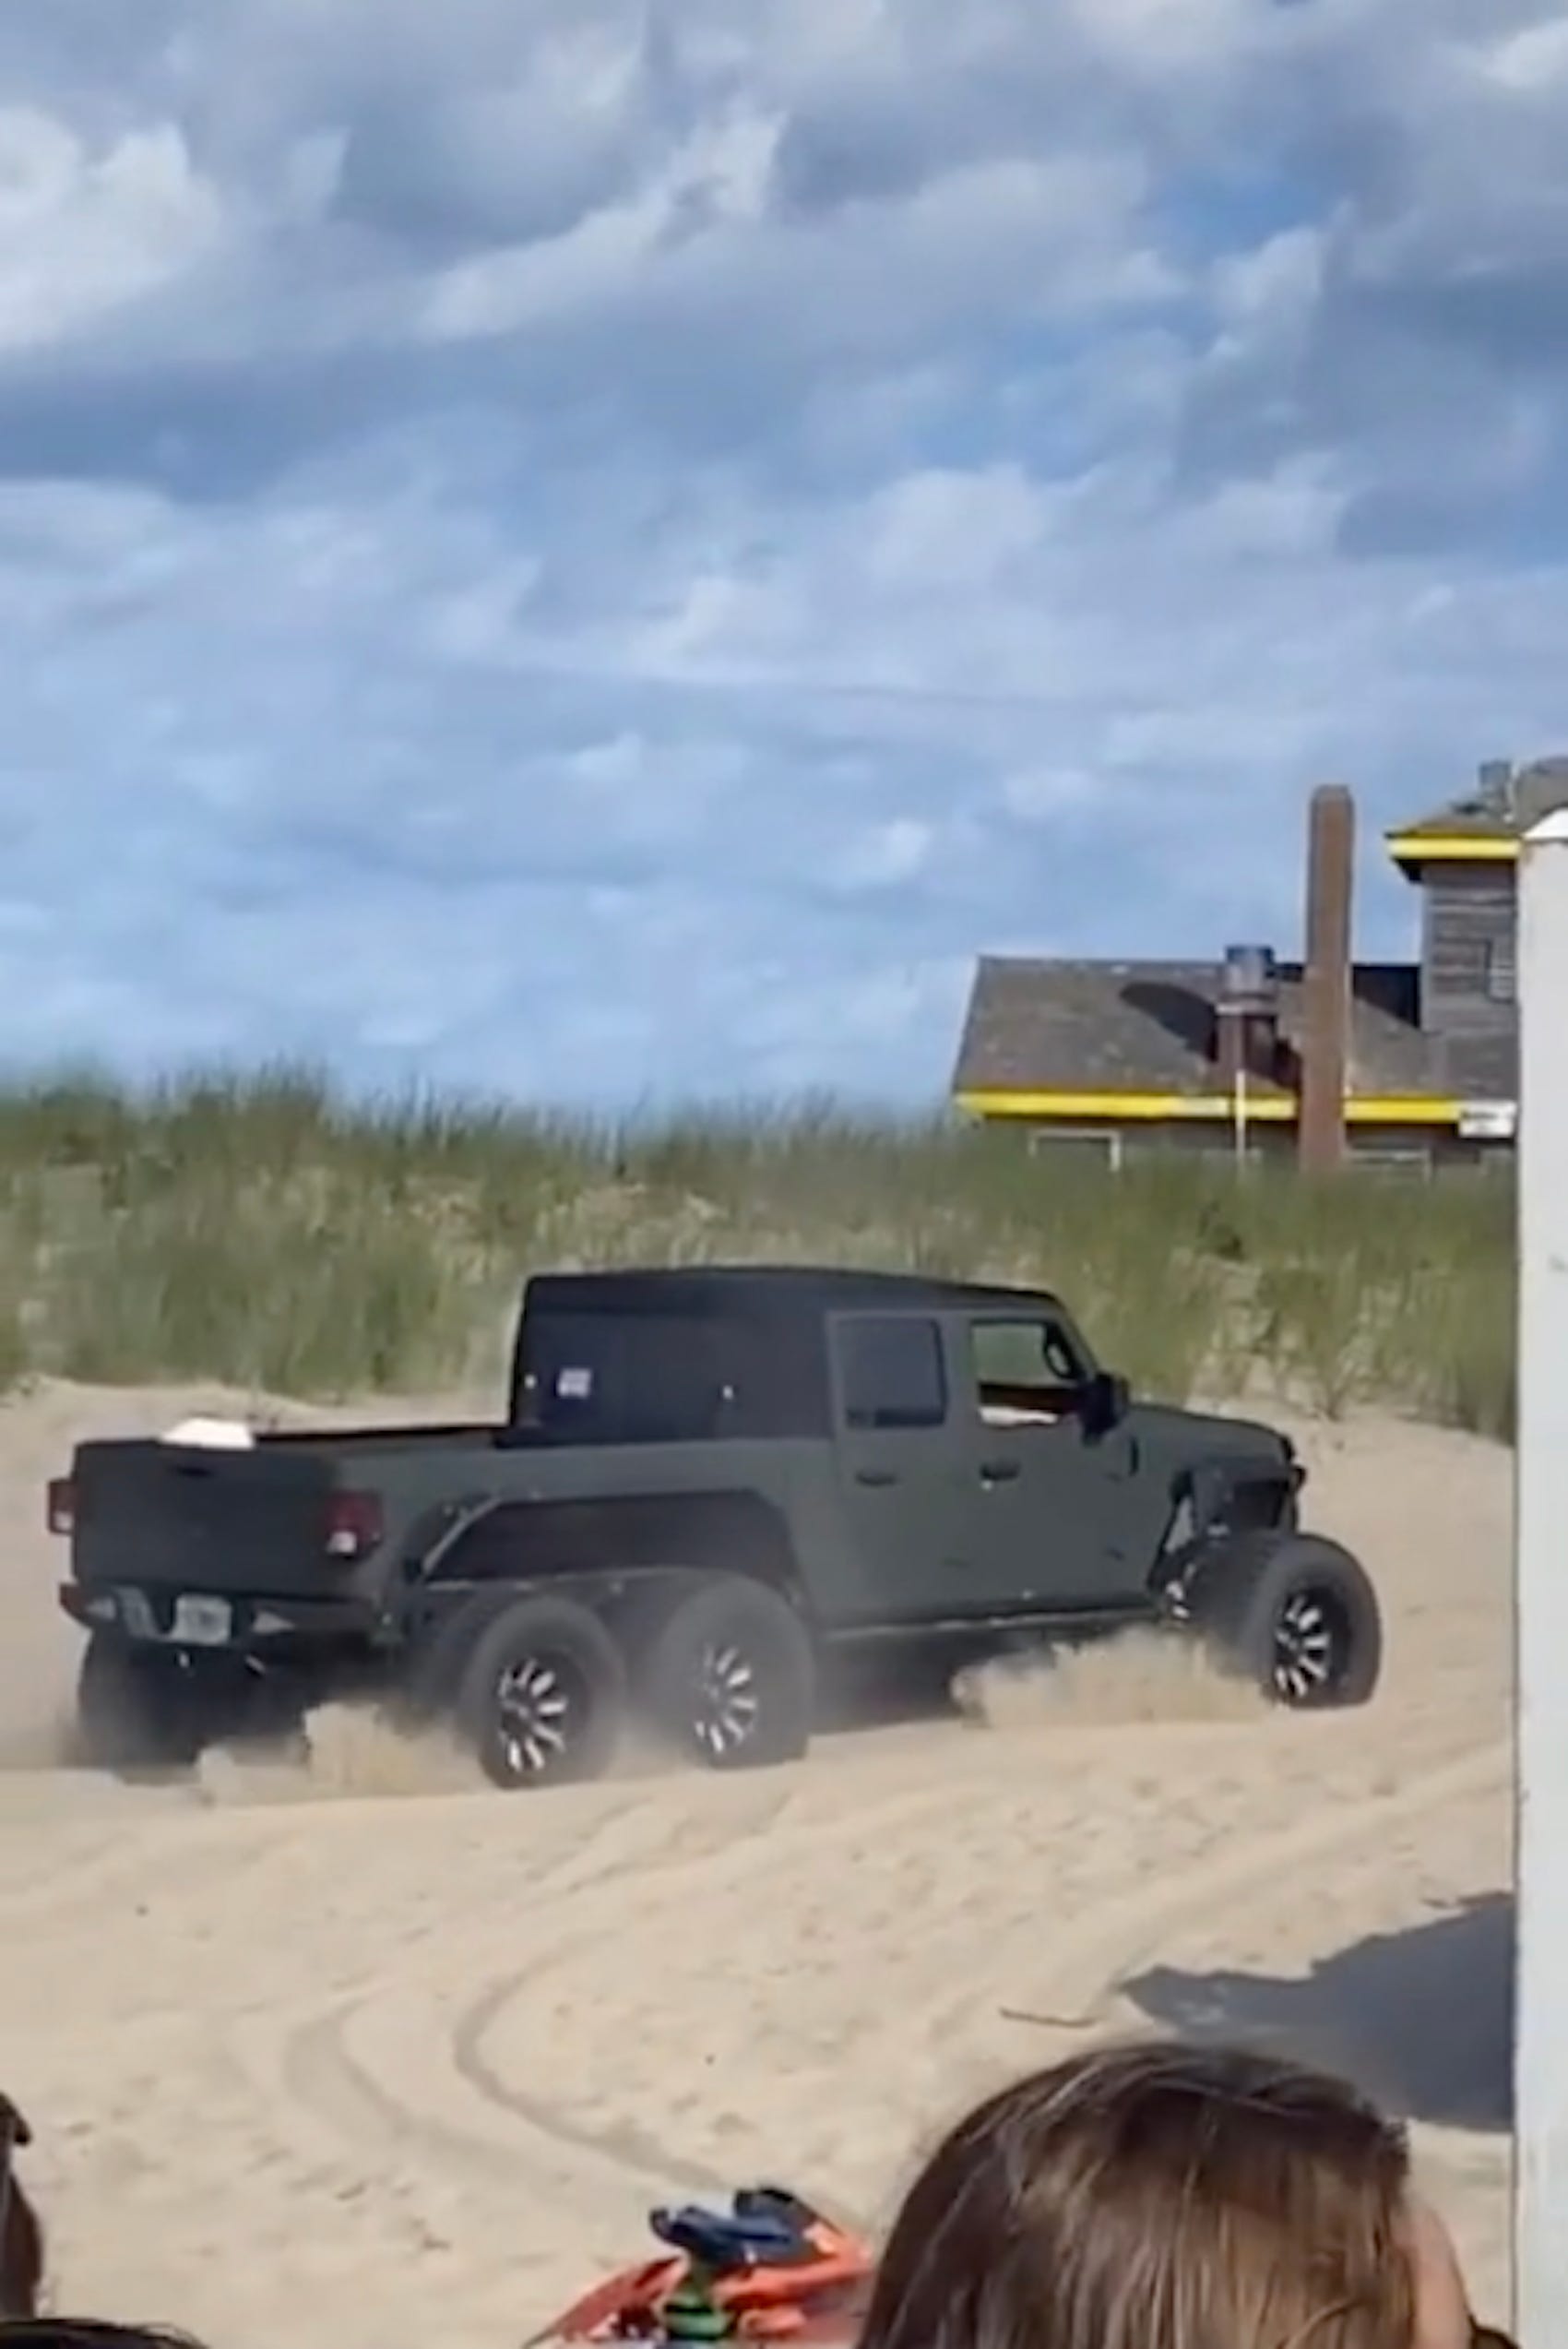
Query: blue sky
[[604, 548]]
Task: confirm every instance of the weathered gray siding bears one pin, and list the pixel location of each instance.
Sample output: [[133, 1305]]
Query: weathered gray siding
[[1468, 931]]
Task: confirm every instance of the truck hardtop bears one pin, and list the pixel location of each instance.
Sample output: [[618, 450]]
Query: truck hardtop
[[712, 1485]]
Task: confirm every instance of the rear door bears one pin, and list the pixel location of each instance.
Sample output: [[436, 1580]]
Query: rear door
[[1063, 1508], [903, 1468]]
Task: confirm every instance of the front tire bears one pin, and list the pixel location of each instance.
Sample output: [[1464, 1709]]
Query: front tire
[[1294, 1613], [730, 1678], [543, 1695]]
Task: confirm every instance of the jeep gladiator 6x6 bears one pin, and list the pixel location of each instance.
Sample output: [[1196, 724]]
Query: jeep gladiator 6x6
[[711, 1484]]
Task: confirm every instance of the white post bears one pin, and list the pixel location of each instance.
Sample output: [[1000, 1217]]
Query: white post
[[1541, 1583]]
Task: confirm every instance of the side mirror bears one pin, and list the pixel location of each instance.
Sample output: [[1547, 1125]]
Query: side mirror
[[1107, 1400]]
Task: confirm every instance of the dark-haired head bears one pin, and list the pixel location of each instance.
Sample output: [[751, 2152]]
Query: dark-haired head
[[1161, 2194], [21, 2236], [89, 2332]]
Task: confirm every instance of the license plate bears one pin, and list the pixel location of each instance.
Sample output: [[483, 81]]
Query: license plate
[[202, 1623]]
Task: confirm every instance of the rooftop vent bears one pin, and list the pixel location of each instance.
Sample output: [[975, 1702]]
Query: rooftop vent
[[1250, 979], [1494, 786], [1247, 1014]]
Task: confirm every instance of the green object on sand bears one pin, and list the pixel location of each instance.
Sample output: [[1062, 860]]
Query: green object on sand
[[691, 2313]]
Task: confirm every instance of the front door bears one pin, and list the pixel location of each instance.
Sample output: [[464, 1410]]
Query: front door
[[1062, 1502]]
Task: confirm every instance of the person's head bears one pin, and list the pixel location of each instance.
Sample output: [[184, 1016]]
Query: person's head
[[89, 2332], [1160, 2197], [21, 2236]]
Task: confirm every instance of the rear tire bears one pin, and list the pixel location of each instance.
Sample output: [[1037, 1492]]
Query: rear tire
[[138, 1710], [543, 1695], [1297, 1614], [730, 1678]]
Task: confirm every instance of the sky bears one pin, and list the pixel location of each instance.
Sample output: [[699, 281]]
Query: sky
[[601, 550]]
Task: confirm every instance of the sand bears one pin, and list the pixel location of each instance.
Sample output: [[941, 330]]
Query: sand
[[362, 2055]]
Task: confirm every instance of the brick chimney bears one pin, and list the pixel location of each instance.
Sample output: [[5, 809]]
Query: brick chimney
[[1326, 1033]]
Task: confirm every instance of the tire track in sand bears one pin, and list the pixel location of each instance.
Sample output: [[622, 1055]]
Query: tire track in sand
[[447, 2104], [450, 2099]]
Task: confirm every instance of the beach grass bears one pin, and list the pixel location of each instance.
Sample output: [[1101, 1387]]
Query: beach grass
[[269, 1230]]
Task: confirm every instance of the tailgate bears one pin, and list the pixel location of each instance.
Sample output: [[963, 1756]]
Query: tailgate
[[158, 1514]]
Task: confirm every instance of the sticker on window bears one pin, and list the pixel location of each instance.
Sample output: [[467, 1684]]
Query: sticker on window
[[574, 1385]]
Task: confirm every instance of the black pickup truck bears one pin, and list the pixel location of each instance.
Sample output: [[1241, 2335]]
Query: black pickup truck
[[710, 1485]]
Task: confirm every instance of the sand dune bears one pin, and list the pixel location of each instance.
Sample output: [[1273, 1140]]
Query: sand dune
[[346, 2053]]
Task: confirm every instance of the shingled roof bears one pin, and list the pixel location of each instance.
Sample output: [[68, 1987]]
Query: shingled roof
[[1506, 802], [1151, 1028]]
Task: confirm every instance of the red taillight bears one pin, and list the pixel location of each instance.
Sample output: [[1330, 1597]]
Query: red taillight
[[354, 1524], [61, 1506]]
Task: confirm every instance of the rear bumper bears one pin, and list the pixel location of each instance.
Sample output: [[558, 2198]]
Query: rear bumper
[[217, 1621]]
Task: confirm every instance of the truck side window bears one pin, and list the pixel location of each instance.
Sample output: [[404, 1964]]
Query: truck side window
[[891, 1371], [1025, 1372]]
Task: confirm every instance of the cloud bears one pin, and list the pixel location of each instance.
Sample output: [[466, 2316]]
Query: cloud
[[84, 233], [608, 553]]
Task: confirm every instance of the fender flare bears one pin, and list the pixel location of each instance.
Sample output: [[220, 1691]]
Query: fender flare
[[423, 1560], [1212, 1484]]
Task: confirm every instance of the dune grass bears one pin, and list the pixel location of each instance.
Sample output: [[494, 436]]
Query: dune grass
[[268, 1232]]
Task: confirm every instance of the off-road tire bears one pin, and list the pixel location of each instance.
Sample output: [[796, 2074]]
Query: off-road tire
[[139, 1710], [430, 1674], [542, 1698], [1293, 1613], [728, 1677]]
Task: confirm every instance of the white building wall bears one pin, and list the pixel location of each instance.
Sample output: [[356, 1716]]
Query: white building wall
[[1541, 1571]]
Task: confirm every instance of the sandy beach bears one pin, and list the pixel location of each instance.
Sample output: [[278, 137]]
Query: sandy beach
[[361, 2055]]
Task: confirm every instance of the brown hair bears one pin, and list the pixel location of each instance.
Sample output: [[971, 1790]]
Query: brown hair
[[1155, 2197]]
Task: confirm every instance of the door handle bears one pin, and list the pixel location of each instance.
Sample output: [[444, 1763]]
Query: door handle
[[998, 1471], [878, 1476]]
